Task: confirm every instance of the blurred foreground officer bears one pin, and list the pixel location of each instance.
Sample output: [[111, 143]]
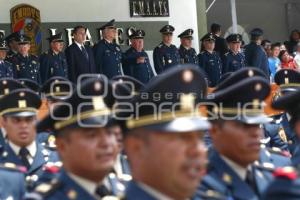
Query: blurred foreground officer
[[234, 59], [165, 55], [136, 60], [81, 133], [53, 62], [108, 55], [30, 85], [255, 54], [236, 117], [151, 141], [186, 52], [18, 110], [287, 182], [13, 44], [24, 64], [7, 85], [6, 69], [12, 183], [210, 61], [80, 57]]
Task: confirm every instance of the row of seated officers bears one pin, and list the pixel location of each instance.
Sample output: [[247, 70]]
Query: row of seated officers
[[109, 139], [106, 56]]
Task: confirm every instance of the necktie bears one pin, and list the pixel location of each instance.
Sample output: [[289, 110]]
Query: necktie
[[23, 155], [102, 191], [84, 52], [250, 180]]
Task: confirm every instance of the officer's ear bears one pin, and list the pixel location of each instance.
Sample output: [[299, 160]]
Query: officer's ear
[[297, 128], [216, 128]]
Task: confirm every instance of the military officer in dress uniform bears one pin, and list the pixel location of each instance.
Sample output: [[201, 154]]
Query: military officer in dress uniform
[[152, 140], [234, 170], [255, 55], [12, 184], [18, 111], [7, 85], [81, 133], [135, 60], [108, 55], [287, 181], [6, 69], [210, 61], [186, 52], [12, 44], [24, 64], [80, 57], [53, 62], [165, 55], [234, 59]]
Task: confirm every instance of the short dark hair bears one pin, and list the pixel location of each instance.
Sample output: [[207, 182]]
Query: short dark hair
[[265, 41], [276, 44], [215, 28], [76, 28]]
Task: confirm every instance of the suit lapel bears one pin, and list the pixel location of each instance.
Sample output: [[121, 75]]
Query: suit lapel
[[39, 159], [9, 155]]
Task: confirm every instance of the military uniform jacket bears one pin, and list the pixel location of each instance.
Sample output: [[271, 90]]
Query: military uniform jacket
[[12, 183], [256, 56], [53, 65], [108, 58], [6, 70], [78, 64], [222, 179], [165, 57], [276, 135], [141, 71], [26, 67], [233, 62], [42, 156], [188, 56], [211, 63], [64, 187], [135, 192]]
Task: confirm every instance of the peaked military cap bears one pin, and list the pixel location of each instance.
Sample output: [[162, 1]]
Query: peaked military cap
[[137, 34], [57, 88], [131, 83], [20, 102], [288, 101], [234, 38], [208, 37], [287, 79], [242, 101], [23, 39], [13, 36], [56, 38], [168, 103], [8, 85], [256, 32], [89, 106], [30, 84], [167, 29], [239, 75], [3, 45], [186, 34], [224, 77], [110, 24]]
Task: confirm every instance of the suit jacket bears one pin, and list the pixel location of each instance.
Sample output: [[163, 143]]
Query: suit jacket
[[77, 62], [220, 45]]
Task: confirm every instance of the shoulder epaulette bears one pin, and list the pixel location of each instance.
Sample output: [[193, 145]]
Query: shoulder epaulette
[[278, 151], [264, 166], [45, 189]]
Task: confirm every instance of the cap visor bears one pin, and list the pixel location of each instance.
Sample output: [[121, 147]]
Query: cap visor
[[20, 114]]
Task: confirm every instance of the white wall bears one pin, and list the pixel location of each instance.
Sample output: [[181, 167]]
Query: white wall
[[183, 13]]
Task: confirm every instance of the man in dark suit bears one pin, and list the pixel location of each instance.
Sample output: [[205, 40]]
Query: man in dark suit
[[221, 44], [151, 143], [19, 110], [107, 53], [80, 57], [255, 55], [136, 61], [53, 62]]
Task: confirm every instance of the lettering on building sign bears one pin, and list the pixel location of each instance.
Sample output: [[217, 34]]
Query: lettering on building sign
[[149, 8]]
